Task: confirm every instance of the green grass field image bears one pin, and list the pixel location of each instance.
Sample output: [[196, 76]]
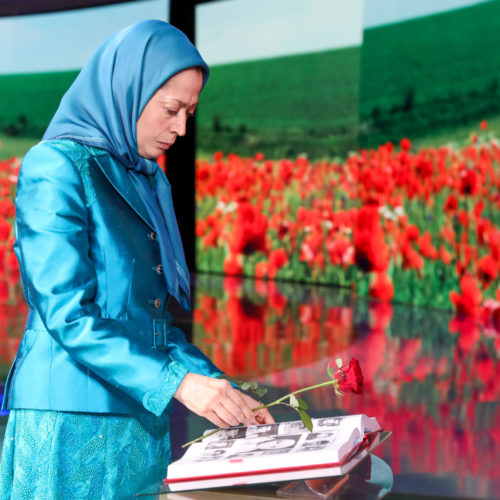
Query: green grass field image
[[29, 101], [430, 75], [282, 106], [431, 79]]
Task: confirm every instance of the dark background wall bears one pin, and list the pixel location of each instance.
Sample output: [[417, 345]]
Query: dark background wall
[[181, 159], [20, 7]]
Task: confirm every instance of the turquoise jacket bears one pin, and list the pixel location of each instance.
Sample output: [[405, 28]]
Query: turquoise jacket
[[98, 336]]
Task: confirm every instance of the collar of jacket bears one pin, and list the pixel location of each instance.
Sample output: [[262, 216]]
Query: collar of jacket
[[120, 179]]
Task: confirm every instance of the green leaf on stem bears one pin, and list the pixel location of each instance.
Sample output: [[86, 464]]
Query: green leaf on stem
[[329, 370], [306, 419], [254, 385], [260, 391], [302, 404], [246, 385]]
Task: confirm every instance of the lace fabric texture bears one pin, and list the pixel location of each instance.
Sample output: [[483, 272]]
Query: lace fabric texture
[[62, 455], [158, 399], [80, 157]]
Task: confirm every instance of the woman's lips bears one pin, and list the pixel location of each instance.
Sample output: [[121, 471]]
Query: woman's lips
[[164, 145]]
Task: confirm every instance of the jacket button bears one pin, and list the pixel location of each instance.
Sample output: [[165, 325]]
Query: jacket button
[[159, 269], [152, 236]]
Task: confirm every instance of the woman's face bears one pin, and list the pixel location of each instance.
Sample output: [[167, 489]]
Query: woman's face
[[164, 116]]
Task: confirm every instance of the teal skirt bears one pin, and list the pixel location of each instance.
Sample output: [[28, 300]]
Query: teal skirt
[[61, 455]]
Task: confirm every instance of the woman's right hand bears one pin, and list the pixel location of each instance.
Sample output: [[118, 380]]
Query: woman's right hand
[[218, 401]]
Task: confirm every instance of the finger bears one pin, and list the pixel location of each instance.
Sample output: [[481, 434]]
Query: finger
[[231, 412], [225, 414], [251, 403], [237, 404], [229, 398], [215, 419], [264, 417]]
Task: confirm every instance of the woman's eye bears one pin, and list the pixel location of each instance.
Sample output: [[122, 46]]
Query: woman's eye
[[172, 112]]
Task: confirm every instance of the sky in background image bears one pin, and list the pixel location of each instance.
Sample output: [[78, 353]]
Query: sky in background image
[[64, 41], [227, 30], [242, 30]]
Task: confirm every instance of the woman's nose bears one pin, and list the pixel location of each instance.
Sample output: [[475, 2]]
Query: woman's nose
[[180, 126]]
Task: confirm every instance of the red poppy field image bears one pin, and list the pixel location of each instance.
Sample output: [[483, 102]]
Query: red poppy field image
[[419, 227], [13, 307], [400, 203]]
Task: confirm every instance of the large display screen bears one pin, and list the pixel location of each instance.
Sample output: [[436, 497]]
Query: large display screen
[[352, 143]]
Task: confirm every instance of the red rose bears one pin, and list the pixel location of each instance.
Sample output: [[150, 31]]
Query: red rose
[[350, 377]]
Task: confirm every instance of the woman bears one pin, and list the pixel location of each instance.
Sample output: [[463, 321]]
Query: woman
[[100, 256]]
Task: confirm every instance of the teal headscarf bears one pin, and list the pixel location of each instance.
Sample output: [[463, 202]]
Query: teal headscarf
[[101, 109]]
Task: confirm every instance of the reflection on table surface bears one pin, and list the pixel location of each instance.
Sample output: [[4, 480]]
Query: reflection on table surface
[[371, 479], [430, 377]]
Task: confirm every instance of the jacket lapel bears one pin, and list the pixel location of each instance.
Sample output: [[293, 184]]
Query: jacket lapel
[[120, 180]]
